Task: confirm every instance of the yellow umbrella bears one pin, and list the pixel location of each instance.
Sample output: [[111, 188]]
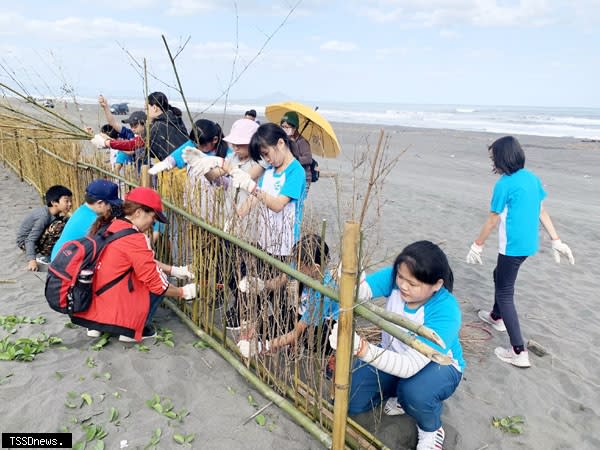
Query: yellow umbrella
[[313, 127]]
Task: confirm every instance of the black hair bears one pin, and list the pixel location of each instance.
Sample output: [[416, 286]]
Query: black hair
[[507, 155], [54, 193], [109, 131], [251, 113], [266, 135], [208, 130], [427, 263], [160, 99], [311, 249]]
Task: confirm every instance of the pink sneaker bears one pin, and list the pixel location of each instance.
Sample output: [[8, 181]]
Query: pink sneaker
[[508, 355], [486, 316]]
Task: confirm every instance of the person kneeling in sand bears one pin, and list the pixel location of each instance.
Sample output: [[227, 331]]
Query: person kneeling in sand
[[127, 307], [418, 287], [41, 228], [314, 310]]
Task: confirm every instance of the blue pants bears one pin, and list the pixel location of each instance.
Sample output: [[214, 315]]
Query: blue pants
[[421, 395], [155, 300], [505, 276]]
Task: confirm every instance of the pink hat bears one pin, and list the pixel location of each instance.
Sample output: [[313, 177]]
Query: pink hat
[[241, 132]]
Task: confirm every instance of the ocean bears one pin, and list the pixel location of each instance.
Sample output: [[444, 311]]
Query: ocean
[[582, 123]]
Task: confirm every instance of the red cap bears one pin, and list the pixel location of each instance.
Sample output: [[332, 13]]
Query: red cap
[[147, 197]]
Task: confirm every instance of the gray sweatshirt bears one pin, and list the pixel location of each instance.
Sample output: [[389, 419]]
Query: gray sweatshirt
[[32, 228]]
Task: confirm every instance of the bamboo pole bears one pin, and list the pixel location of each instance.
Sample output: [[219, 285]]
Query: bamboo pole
[[343, 358], [264, 389], [144, 177], [389, 316]]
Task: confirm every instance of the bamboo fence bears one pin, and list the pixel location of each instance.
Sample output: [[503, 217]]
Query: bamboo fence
[[44, 153]]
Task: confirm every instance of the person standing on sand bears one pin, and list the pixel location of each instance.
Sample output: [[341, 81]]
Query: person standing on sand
[[516, 209], [167, 130], [300, 146]]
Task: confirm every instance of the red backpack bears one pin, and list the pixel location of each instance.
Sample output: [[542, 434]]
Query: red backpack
[[71, 272]]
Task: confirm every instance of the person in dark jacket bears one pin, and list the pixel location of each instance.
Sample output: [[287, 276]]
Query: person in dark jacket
[[167, 130], [290, 122]]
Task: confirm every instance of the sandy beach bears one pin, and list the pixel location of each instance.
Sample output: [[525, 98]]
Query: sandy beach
[[439, 190]]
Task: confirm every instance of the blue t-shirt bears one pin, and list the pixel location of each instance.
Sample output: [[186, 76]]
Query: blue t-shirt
[[518, 199], [122, 157], [310, 304], [279, 231], [440, 313], [76, 227]]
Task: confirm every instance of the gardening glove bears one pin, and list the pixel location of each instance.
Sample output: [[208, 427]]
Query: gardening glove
[[251, 348], [474, 256], [166, 164], [98, 140], [242, 180], [253, 284], [188, 291], [181, 272], [191, 155], [201, 163], [560, 248], [333, 340]]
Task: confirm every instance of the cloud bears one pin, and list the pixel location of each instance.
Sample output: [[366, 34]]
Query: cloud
[[191, 7], [479, 13], [449, 34], [75, 28], [339, 46]]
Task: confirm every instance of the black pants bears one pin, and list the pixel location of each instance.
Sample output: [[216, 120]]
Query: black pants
[[505, 276]]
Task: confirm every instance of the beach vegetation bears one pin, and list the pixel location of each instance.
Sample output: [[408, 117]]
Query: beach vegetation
[[184, 439], [90, 362], [509, 424], [26, 348], [200, 344], [154, 440], [9, 323], [166, 408], [141, 348], [101, 342], [164, 336]]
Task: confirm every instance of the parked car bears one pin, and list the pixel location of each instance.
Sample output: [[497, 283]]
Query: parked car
[[48, 103], [119, 108]]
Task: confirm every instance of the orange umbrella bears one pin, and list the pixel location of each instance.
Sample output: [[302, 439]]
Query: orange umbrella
[[313, 127]]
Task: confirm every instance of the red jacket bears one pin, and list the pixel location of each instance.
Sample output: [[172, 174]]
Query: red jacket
[[127, 145], [124, 307]]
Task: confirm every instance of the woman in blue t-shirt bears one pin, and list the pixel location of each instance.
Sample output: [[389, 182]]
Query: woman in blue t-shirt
[[418, 287], [516, 209]]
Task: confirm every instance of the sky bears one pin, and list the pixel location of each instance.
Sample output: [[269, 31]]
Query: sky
[[465, 52]]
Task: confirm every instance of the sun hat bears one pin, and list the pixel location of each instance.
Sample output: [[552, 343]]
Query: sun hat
[[291, 117], [147, 197], [104, 190], [241, 132], [135, 117]]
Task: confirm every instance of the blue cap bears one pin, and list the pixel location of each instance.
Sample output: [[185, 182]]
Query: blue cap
[[104, 190]]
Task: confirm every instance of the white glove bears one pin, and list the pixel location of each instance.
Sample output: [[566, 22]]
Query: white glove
[[181, 272], [333, 340], [474, 256], [251, 348], [364, 290], [189, 291], [560, 248], [98, 140], [191, 155], [166, 164], [242, 180], [248, 284], [201, 163]]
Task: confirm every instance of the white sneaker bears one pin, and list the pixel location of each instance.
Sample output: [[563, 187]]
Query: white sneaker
[[392, 407], [486, 316], [93, 333], [431, 440], [508, 355]]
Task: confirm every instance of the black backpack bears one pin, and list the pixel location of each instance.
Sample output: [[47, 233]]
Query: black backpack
[[314, 171], [70, 274]]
